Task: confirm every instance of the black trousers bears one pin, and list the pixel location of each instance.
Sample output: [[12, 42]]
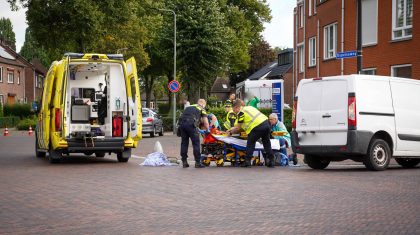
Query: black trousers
[[189, 131], [261, 131]]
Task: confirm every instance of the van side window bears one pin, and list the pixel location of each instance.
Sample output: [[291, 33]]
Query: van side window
[[133, 89]]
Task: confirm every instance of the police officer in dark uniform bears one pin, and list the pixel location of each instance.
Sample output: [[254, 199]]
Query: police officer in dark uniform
[[190, 121]]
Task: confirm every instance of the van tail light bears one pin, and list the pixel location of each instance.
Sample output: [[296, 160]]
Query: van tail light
[[117, 125], [352, 116], [149, 119], [57, 120], [294, 113]]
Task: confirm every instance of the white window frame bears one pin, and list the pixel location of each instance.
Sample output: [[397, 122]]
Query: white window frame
[[328, 52], [301, 16], [310, 8], [301, 51], [25, 100], [399, 66], [13, 77], [405, 26], [1, 73], [369, 69], [312, 52], [315, 2], [2, 100], [18, 78]]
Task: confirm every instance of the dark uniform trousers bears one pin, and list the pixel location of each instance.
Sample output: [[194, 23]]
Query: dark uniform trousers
[[261, 131], [188, 130]]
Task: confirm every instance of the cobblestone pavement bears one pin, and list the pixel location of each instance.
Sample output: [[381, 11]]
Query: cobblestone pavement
[[87, 195]]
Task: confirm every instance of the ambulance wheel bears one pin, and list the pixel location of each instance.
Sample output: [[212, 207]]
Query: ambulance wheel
[[379, 155], [124, 156], [316, 162], [88, 153], [100, 154], [407, 162], [54, 156], [161, 131], [220, 162], [37, 152]]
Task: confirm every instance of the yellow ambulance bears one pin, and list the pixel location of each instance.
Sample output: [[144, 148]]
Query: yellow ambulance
[[91, 105]]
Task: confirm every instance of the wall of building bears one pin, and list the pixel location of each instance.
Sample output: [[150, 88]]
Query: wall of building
[[12, 92]]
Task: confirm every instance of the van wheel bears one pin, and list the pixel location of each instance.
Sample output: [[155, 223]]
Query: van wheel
[[54, 156], [316, 162], [88, 153], [378, 156], [152, 134], [407, 162], [161, 131], [100, 154], [37, 152], [124, 156]]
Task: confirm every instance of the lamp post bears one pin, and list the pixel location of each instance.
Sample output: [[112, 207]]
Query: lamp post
[[174, 78]]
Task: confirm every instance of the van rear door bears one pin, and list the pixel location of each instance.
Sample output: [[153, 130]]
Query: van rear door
[[134, 105], [334, 105]]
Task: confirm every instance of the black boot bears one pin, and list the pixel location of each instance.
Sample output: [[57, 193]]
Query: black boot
[[294, 159], [185, 164], [270, 162], [198, 164]]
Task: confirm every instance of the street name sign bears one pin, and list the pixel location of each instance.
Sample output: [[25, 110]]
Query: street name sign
[[346, 54]]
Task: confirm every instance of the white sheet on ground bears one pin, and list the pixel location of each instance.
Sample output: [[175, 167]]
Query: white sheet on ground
[[156, 159]]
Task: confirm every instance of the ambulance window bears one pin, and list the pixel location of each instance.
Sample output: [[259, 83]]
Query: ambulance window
[[133, 89]]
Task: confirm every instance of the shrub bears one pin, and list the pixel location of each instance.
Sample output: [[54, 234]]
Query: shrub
[[26, 123], [19, 110], [1, 110], [8, 121]]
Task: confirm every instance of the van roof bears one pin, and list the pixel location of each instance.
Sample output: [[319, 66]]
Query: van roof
[[94, 56]]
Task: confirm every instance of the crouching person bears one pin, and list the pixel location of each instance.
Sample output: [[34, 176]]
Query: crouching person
[[256, 125], [192, 117], [285, 142]]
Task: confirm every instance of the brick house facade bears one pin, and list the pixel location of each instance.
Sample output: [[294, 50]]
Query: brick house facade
[[390, 45], [20, 80]]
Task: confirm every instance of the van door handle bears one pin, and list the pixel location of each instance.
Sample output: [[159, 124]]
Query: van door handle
[[327, 115]]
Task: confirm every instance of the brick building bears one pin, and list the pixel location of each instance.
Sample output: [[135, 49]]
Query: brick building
[[390, 44], [20, 80]]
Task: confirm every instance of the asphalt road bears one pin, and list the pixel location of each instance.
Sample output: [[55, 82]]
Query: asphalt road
[[88, 195]]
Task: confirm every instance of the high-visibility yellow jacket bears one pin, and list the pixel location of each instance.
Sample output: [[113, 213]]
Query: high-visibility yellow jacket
[[231, 120], [250, 117]]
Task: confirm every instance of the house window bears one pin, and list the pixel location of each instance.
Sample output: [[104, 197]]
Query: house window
[[18, 78], [315, 6], [330, 41], [301, 19], [1, 74], [2, 100], [10, 77], [26, 100], [312, 51], [369, 71], [369, 22], [403, 71], [38, 81], [402, 18], [301, 59]]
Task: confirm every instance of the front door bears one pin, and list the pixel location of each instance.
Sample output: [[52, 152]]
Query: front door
[[10, 100]]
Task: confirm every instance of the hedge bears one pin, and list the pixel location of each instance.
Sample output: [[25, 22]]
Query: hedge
[[8, 121], [1, 110], [26, 123], [19, 110]]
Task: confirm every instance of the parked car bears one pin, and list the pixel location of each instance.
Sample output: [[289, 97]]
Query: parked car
[[152, 122], [364, 118]]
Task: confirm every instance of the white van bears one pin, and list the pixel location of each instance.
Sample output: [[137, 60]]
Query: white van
[[365, 118]]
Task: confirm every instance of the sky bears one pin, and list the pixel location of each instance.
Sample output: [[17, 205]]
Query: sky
[[278, 33]]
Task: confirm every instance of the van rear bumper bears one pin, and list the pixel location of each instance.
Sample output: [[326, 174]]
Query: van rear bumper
[[106, 144], [357, 144]]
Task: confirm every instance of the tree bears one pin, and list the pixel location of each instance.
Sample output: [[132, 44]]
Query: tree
[[7, 36], [32, 50]]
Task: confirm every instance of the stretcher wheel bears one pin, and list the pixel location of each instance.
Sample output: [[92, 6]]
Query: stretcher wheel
[[219, 162], [206, 161], [256, 162]]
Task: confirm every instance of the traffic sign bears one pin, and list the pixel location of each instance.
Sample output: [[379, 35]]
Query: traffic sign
[[346, 54], [174, 86]]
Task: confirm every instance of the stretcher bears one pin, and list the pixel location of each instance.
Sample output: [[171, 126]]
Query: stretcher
[[221, 148]]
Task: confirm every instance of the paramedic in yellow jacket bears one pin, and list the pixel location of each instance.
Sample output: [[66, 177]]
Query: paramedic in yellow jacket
[[230, 119], [256, 125]]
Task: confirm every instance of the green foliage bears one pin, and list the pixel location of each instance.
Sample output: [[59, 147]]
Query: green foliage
[[167, 123], [32, 50], [26, 123], [1, 110], [164, 108], [19, 110], [6, 33], [8, 121]]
